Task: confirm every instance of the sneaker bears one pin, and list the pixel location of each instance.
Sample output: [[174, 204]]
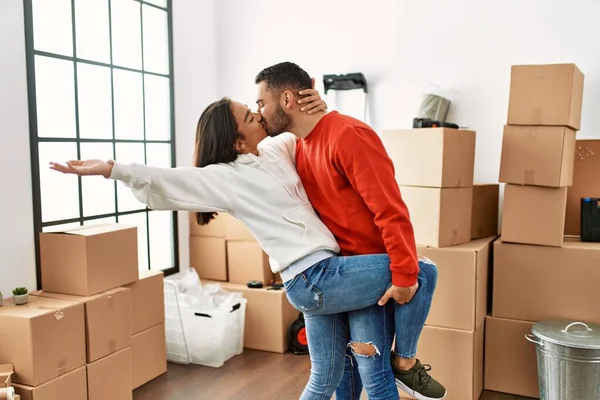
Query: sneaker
[[417, 382]]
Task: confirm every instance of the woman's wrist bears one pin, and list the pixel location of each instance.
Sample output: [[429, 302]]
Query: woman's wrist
[[110, 164]]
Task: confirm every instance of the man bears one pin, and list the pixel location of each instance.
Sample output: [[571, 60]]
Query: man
[[350, 181]]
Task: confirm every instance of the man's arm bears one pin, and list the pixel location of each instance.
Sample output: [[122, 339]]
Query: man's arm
[[360, 155]]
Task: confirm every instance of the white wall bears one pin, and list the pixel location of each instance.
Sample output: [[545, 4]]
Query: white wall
[[17, 257], [400, 45]]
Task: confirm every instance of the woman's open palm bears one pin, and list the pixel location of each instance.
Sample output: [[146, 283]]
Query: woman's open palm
[[83, 167]]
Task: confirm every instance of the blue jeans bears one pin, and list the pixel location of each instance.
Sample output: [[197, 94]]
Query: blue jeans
[[338, 297]]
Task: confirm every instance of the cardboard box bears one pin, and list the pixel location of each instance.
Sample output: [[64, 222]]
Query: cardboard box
[[510, 360], [43, 339], [449, 155], [534, 215], [110, 377], [236, 230], [269, 316], [440, 217], [535, 283], [457, 360], [208, 257], [148, 355], [215, 228], [586, 182], [71, 386], [546, 95], [484, 210], [89, 260], [461, 295], [107, 320], [246, 261], [6, 371], [147, 301], [537, 155]]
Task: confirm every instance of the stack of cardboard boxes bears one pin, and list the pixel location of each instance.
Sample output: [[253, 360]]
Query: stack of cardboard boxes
[[538, 274], [94, 326], [226, 252], [455, 223]]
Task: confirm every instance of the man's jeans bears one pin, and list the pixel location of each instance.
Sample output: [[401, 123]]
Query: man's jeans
[[338, 297]]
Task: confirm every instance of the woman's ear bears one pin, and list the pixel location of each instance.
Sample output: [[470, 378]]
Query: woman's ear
[[240, 146]]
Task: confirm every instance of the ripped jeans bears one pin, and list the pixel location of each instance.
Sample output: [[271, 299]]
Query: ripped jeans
[[338, 297]]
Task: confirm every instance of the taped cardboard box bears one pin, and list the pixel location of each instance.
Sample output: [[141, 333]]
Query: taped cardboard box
[[71, 386], [110, 377], [208, 256], [484, 210], [246, 261], [147, 301], [6, 371], [148, 355]]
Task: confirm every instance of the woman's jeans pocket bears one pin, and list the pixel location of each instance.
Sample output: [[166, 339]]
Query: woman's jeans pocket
[[303, 295]]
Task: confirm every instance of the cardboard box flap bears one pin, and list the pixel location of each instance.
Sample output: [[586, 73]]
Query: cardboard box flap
[[79, 299], [473, 246], [92, 230], [6, 371], [34, 308]]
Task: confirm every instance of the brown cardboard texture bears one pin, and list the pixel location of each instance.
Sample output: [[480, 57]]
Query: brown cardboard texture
[[537, 155], [534, 215], [449, 155], [215, 228], [440, 217], [535, 283], [89, 260], [510, 360], [107, 321], [461, 295], [458, 359], [6, 371], [484, 210], [148, 355], [209, 257], [546, 95], [269, 316], [236, 230], [246, 262], [70, 386], [586, 182], [110, 377], [147, 301], [43, 339]]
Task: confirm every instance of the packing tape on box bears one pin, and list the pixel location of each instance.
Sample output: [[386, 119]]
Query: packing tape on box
[[536, 115], [112, 346], [61, 366], [7, 393], [529, 177], [110, 300]]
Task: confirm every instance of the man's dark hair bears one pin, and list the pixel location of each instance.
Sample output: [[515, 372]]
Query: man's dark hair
[[283, 76]]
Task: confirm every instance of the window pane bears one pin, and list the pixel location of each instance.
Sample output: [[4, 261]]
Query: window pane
[[158, 107], [129, 105], [61, 228], [91, 28], [126, 33], [95, 114], [127, 153], [100, 221], [59, 192], [156, 43], [161, 240], [52, 28], [160, 3], [139, 220], [55, 97], [158, 155], [98, 192]]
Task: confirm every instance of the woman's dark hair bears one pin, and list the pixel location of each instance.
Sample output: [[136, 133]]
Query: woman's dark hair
[[216, 134]]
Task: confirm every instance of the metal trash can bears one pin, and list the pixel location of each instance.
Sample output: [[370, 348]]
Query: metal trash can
[[568, 358]]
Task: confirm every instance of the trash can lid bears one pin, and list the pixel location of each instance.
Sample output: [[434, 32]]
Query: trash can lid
[[571, 334]]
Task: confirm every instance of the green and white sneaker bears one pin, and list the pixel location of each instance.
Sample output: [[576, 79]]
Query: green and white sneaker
[[417, 382]]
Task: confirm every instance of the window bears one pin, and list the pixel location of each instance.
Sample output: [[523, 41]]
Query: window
[[101, 86]]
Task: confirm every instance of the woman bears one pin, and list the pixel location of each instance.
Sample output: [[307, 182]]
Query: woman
[[240, 171]]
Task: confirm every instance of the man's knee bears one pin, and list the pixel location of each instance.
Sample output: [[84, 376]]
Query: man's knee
[[364, 349]]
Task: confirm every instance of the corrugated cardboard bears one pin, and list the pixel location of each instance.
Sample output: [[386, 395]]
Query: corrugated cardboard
[[215, 228], [236, 230], [456, 357], [148, 355], [147, 301], [537, 155], [107, 320], [535, 283], [461, 295], [208, 256], [586, 182], [70, 386], [6, 371], [440, 217], [246, 262], [510, 360], [534, 215], [43, 339], [448, 154], [269, 316], [546, 95], [89, 260], [110, 377], [484, 210]]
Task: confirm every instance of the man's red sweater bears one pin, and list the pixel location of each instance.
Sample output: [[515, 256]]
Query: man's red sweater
[[351, 183]]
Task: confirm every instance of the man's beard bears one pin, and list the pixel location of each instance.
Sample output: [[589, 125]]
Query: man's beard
[[281, 123]]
